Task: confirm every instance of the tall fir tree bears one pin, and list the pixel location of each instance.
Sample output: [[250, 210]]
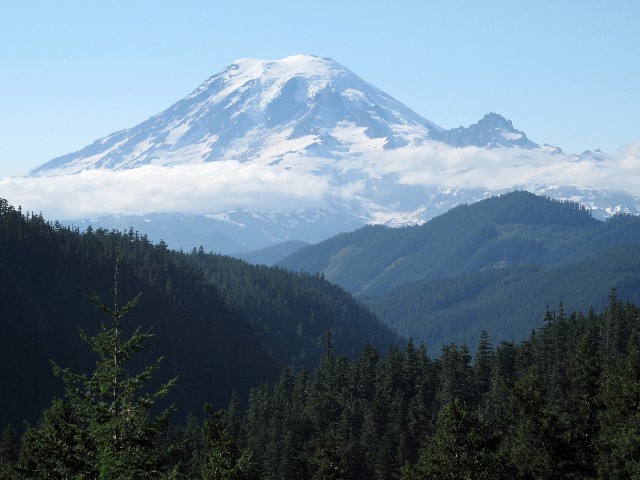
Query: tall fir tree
[[458, 450], [105, 427], [619, 440], [221, 457]]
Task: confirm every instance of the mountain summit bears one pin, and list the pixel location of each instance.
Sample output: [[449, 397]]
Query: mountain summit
[[493, 130], [267, 109]]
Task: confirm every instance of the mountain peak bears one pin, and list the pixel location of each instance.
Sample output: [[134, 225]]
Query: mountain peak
[[496, 121], [266, 110], [308, 66], [493, 130], [303, 62]]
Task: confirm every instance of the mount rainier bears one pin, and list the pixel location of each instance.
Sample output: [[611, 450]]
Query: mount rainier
[[306, 116]]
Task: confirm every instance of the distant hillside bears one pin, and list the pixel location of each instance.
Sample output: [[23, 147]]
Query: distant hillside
[[292, 312], [211, 343], [508, 302], [445, 280], [513, 229], [271, 255]]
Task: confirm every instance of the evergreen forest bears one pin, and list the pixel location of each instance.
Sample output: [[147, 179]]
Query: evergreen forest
[[124, 359], [493, 265], [217, 337]]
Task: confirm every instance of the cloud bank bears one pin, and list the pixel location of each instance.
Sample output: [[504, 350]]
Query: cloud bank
[[502, 168], [228, 185], [211, 187]]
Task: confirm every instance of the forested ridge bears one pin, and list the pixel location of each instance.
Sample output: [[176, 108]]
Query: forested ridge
[[506, 301], [202, 326], [491, 265], [513, 229], [562, 403], [293, 312]]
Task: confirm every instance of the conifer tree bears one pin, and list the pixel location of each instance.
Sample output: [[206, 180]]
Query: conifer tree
[[619, 441], [9, 450], [58, 447], [456, 376], [533, 442], [482, 368], [105, 427], [222, 459], [458, 449]]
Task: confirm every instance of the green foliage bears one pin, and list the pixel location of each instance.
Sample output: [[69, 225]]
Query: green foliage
[[456, 376], [292, 311], [492, 265], [105, 427], [619, 444], [9, 444], [544, 408], [57, 447], [221, 457], [458, 449]]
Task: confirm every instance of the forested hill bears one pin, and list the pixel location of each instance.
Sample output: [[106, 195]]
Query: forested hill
[[292, 312], [211, 343], [492, 265], [517, 228], [562, 404], [510, 301]]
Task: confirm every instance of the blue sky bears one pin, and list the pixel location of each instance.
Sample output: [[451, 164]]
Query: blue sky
[[565, 72]]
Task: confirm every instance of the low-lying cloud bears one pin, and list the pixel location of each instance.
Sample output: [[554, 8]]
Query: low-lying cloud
[[210, 187], [227, 185], [502, 168]]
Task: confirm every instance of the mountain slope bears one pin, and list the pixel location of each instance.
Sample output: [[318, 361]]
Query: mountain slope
[[508, 302], [258, 108], [495, 264], [292, 313], [212, 343], [512, 229]]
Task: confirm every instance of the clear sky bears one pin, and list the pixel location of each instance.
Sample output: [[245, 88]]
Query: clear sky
[[565, 72]]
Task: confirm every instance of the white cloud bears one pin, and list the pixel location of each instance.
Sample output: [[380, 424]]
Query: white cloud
[[226, 185], [629, 159], [211, 187], [502, 168]]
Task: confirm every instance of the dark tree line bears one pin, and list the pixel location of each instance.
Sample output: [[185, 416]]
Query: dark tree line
[[220, 323], [563, 404]]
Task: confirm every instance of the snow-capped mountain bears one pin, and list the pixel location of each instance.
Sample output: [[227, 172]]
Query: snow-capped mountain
[[258, 109], [306, 116], [493, 130]]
